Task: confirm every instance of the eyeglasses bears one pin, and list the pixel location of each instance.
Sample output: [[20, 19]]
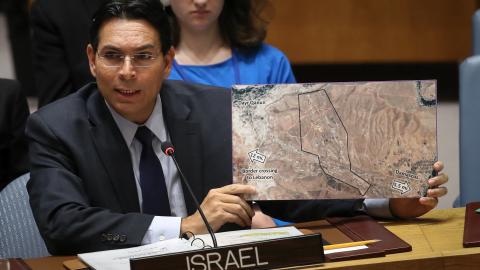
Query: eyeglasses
[[116, 60]]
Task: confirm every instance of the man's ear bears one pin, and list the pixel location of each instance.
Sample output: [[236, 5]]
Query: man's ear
[[91, 59], [168, 59]]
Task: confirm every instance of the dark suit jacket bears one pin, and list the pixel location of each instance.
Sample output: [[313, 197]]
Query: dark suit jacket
[[82, 188], [60, 37], [13, 144], [19, 37]]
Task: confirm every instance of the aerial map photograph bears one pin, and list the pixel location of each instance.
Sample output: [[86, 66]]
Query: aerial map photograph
[[335, 140]]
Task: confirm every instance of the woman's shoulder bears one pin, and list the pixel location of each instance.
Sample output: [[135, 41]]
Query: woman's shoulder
[[266, 64], [269, 49], [263, 49], [264, 52]]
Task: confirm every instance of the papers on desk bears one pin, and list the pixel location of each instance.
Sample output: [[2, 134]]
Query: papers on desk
[[344, 249], [120, 259], [247, 236]]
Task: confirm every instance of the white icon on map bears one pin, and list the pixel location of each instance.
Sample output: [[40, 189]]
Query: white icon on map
[[256, 156], [401, 186]]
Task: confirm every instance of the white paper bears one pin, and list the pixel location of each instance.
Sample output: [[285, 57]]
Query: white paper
[[247, 236], [344, 249], [119, 259], [254, 235]]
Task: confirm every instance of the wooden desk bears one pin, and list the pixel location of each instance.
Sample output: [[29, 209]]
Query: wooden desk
[[436, 239], [49, 263]]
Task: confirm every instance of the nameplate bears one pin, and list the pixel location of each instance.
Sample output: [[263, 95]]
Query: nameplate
[[278, 253]]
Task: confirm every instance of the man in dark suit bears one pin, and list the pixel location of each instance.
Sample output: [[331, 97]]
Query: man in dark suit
[[91, 186], [19, 36], [60, 36], [13, 143]]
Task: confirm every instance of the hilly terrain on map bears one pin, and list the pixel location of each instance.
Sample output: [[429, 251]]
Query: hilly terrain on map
[[334, 140]]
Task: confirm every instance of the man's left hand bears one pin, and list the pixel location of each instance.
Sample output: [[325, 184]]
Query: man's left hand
[[415, 207]]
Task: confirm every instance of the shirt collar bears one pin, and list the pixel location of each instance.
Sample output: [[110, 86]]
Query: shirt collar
[[155, 123]]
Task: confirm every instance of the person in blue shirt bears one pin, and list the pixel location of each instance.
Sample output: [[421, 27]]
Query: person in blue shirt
[[220, 43]]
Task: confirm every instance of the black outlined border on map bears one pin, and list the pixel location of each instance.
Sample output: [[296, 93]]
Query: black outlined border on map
[[318, 157]]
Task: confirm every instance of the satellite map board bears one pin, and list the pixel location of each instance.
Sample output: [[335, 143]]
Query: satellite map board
[[335, 140]]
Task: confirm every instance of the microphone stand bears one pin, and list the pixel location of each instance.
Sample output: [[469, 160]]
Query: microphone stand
[[168, 149], [262, 255]]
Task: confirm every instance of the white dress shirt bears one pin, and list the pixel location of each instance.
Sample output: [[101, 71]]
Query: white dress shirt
[[162, 227]]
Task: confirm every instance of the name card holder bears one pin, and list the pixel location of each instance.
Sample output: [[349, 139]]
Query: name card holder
[[277, 253]]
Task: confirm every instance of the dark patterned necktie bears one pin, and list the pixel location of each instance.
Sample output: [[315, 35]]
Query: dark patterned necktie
[[152, 180]]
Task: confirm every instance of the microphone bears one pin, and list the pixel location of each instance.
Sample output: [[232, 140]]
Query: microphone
[[169, 150]]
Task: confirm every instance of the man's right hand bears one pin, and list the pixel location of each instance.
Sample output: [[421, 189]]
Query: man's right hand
[[222, 205]]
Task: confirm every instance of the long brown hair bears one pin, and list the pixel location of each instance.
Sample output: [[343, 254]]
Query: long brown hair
[[243, 23]]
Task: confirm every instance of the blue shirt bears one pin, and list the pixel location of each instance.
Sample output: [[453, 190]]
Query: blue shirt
[[265, 65]]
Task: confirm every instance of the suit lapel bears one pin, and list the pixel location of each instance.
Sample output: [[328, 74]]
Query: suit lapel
[[113, 152], [185, 136]]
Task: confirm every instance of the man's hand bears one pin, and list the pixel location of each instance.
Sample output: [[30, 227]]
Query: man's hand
[[413, 207], [222, 205], [261, 220]]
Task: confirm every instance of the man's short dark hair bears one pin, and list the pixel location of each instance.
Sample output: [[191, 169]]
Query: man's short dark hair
[[151, 11]]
